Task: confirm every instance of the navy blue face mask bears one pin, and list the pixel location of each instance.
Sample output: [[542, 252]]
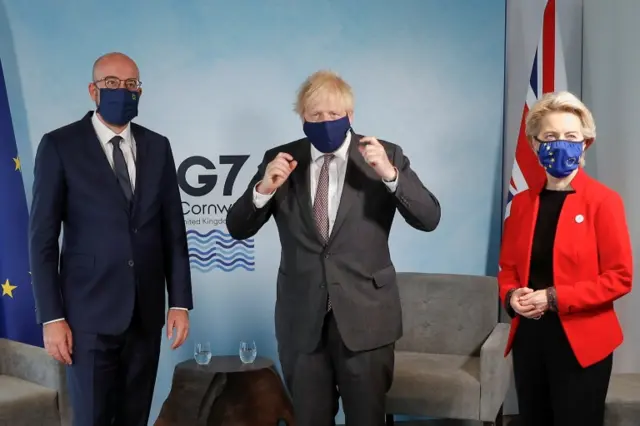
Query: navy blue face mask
[[327, 136], [560, 158], [118, 106]]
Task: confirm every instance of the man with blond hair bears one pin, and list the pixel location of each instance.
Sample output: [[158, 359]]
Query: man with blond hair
[[101, 298], [333, 195]]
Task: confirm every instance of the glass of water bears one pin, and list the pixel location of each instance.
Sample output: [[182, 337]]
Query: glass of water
[[248, 351], [202, 353]]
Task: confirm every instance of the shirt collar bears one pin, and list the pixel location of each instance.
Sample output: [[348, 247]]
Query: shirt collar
[[105, 134], [340, 153]]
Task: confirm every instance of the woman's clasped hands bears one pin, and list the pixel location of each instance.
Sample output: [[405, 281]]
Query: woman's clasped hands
[[529, 303]]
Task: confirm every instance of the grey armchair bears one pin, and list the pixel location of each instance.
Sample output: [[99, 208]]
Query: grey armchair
[[32, 387], [449, 363]]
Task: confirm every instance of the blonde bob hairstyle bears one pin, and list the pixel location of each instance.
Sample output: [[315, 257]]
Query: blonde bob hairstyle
[[560, 102], [323, 83]]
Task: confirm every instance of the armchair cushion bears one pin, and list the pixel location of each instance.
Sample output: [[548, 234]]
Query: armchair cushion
[[450, 362], [26, 403], [435, 385], [623, 400], [31, 363], [33, 366], [446, 314], [495, 372]]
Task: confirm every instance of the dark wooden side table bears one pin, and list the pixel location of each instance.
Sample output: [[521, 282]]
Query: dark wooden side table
[[226, 392]]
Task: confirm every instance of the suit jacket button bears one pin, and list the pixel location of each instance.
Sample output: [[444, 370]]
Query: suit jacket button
[[130, 263], [135, 230], [326, 256]]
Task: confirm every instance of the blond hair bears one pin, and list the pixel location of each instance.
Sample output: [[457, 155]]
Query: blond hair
[[323, 83], [561, 102]]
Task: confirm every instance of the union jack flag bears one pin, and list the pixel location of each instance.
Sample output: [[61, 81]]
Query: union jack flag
[[548, 74]]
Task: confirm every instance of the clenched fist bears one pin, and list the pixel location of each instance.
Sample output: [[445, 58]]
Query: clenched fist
[[277, 172], [375, 156]]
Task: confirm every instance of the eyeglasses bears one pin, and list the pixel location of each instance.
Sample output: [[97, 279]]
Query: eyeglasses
[[112, 82]]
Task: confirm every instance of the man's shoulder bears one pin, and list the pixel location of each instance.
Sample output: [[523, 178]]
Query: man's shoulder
[[384, 142], [147, 133], [389, 147], [69, 130]]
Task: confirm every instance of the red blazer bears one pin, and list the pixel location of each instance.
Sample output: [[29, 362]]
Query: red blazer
[[592, 263]]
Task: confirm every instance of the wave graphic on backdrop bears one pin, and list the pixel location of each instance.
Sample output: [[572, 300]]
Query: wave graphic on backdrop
[[219, 250]]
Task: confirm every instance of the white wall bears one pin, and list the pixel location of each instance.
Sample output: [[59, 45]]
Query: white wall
[[611, 67]]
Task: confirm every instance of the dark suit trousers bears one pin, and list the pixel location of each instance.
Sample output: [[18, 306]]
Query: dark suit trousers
[[316, 380], [553, 389], [112, 378]]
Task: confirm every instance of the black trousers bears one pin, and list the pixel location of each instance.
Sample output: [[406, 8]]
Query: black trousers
[[553, 389], [317, 380], [112, 378]]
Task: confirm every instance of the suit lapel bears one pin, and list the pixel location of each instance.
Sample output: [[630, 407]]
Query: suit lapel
[[352, 181], [96, 155], [141, 162], [301, 181]]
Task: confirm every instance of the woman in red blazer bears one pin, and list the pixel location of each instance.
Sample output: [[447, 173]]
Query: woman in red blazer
[[565, 258]]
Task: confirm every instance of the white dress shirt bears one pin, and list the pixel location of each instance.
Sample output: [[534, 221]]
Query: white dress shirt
[[128, 147], [337, 172]]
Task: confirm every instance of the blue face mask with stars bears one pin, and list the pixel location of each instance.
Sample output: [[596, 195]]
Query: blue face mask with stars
[[560, 158]]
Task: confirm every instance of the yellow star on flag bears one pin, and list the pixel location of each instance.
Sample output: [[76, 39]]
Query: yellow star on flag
[[7, 289], [18, 164]]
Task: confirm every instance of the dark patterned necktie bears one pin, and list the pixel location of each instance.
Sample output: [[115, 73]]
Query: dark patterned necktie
[[321, 205], [120, 168]]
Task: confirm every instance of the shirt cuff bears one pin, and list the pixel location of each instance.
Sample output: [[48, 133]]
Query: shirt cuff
[[392, 185], [180, 309], [507, 303], [260, 200], [552, 299], [52, 321]]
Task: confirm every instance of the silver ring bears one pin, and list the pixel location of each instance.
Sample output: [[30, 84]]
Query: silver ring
[[537, 318]]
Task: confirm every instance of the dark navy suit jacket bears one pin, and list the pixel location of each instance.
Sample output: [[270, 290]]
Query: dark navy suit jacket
[[114, 254]]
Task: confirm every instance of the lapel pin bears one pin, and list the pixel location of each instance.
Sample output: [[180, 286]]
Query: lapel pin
[[579, 218]]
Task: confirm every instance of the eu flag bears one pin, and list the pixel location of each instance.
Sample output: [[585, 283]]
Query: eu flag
[[17, 307]]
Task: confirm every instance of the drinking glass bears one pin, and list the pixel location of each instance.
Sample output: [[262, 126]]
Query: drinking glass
[[202, 353], [248, 351]]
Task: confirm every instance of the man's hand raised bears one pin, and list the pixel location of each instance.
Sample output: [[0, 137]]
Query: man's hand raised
[[277, 172], [376, 157]]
